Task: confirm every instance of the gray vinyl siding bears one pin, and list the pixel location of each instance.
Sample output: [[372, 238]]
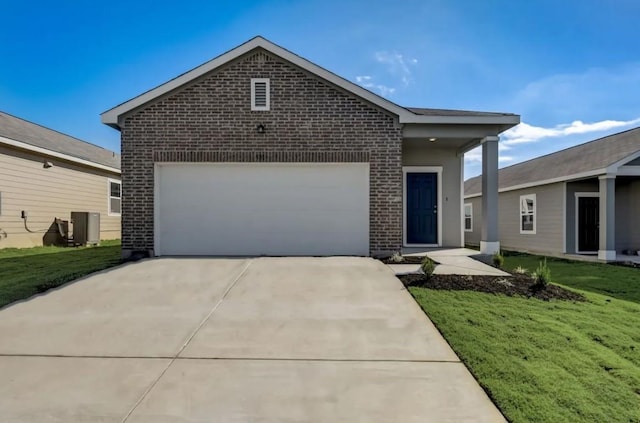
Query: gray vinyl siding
[[473, 237], [421, 154], [627, 214], [46, 194], [549, 220]]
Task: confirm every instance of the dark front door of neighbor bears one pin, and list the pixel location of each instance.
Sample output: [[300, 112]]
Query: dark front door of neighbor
[[588, 224], [422, 208]]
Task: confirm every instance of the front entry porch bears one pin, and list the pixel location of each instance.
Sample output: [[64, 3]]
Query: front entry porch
[[601, 215], [433, 176]]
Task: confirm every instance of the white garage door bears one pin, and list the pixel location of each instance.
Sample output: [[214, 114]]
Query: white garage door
[[249, 209]]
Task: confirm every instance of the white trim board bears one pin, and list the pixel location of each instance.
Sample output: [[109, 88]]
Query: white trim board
[[109, 182], [40, 150], [464, 217], [421, 169], [112, 116], [577, 195], [534, 231]]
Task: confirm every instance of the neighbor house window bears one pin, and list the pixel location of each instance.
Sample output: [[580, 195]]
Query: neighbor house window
[[115, 197], [528, 214], [260, 94], [468, 217]]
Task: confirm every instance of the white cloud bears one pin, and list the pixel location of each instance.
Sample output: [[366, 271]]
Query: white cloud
[[397, 65], [367, 82], [525, 133], [475, 156]]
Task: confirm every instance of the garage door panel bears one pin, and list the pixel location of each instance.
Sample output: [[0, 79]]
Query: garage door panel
[[262, 209]]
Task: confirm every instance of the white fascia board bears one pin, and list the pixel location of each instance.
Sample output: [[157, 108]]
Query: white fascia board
[[568, 178], [614, 167], [462, 120], [628, 171], [110, 117], [24, 146]]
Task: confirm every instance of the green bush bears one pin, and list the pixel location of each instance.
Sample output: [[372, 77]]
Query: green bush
[[428, 266], [498, 260], [542, 275]]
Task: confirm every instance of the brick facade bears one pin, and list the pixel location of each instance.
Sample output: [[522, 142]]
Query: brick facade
[[210, 120]]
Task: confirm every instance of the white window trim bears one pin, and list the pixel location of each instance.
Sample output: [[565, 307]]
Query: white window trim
[[577, 223], [464, 217], [535, 214], [253, 94], [109, 182], [421, 169]]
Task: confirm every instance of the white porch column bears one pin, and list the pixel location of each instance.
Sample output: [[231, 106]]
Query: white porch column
[[607, 249], [489, 242]]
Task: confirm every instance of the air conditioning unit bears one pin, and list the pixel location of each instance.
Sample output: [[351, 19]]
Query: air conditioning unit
[[86, 228]]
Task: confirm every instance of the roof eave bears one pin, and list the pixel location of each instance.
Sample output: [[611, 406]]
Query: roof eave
[[51, 153], [509, 121]]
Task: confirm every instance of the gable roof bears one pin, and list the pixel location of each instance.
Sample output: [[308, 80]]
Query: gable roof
[[584, 160], [30, 136], [111, 117]]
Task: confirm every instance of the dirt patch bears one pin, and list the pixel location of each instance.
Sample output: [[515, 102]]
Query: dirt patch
[[522, 285]]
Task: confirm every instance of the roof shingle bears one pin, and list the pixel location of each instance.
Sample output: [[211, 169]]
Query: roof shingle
[[30, 133], [593, 155]]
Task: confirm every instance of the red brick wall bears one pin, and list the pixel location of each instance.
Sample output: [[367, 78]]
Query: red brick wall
[[310, 120]]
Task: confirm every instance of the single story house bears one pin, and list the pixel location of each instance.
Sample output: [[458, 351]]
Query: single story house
[[582, 200], [46, 175], [261, 152]]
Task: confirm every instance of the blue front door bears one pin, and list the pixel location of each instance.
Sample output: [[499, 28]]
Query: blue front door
[[422, 208]]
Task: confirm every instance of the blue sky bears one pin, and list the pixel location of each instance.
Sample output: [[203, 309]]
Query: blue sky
[[571, 69]]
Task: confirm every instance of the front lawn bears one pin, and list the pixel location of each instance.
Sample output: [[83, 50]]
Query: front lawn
[[28, 271], [551, 361]]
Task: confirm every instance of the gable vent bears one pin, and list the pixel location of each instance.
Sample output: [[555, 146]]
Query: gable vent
[[260, 98]]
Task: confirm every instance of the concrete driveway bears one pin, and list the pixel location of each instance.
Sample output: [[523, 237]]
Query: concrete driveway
[[232, 340]]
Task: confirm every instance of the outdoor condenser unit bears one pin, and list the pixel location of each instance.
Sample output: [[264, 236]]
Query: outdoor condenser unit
[[86, 228]]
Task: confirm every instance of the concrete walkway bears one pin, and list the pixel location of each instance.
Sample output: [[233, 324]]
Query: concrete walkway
[[223, 340], [454, 261]]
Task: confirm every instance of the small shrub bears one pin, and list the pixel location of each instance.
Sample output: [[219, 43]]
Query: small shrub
[[521, 270], [428, 266], [396, 258], [542, 275], [498, 260]]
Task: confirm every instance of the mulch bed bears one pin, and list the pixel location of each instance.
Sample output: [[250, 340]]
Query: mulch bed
[[516, 284]]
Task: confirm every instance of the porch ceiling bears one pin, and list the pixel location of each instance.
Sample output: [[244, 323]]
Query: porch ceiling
[[453, 143], [462, 137]]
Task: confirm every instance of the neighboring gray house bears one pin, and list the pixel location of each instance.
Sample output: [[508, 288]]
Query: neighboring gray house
[[261, 152], [582, 200], [45, 175]]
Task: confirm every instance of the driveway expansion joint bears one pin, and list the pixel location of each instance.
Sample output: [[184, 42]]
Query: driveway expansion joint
[[175, 357]]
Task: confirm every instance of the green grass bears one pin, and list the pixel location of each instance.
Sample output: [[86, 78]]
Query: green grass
[[551, 361], [615, 281], [28, 271]]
